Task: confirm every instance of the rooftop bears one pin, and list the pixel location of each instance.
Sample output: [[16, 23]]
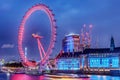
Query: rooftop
[[87, 51]]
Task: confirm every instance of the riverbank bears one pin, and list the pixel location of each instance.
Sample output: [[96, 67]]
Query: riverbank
[[110, 73]]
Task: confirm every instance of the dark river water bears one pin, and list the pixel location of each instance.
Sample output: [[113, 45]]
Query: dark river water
[[7, 76]]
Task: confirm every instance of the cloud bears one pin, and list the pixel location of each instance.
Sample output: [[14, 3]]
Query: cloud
[[7, 46]]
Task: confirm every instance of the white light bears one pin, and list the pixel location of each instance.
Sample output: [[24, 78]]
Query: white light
[[70, 34], [8, 74]]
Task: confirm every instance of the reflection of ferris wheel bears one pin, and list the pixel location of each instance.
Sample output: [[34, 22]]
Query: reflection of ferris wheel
[[43, 54]]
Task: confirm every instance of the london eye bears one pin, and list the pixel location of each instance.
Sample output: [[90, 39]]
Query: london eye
[[44, 55]]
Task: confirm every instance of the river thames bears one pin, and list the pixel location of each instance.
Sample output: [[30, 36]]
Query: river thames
[[4, 76]]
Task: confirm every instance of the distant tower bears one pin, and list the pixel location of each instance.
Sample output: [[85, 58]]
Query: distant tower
[[112, 44], [25, 53]]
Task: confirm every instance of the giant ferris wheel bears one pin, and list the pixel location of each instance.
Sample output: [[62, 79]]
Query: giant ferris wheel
[[44, 55]]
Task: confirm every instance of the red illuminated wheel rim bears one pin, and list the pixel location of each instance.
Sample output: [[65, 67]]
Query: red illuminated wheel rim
[[22, 30]]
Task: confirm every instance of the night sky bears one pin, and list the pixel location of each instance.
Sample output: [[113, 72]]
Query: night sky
[[104, 15]]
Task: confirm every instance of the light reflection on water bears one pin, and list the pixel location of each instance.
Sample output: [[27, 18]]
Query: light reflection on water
[[32, 77], [26, 77]]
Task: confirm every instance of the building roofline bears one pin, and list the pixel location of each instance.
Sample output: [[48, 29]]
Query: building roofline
[[87, 51]]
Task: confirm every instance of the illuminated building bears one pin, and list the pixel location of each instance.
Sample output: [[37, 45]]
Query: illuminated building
[[91, 59], [71, 43], [103, 58]]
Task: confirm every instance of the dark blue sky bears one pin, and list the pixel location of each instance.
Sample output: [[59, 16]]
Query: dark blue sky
[[70, 16]]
